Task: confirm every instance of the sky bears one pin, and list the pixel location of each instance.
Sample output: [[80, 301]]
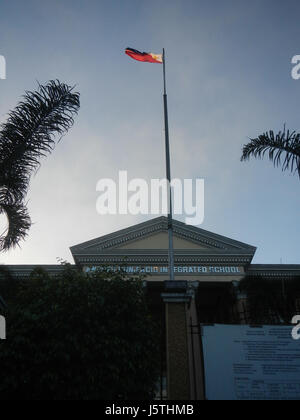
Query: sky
[[228, 77]]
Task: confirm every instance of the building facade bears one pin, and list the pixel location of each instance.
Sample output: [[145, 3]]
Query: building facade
[[208, 271]]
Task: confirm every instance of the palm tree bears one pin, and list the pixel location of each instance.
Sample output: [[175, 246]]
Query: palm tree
[[283, 149], [26, 136]]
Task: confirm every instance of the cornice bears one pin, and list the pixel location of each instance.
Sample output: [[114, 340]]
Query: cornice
[[101, 260], [122, 253], [24, 271], [273, 270]]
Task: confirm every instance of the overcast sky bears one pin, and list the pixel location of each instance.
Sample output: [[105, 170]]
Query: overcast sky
[[229, 78]]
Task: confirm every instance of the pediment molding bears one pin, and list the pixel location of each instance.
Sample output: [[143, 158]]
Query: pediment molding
[[163, 260], [107, 248]]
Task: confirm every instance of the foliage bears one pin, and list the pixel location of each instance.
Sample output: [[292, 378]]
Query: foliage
[[8, 286], [29, 134], [284, 144], [81, 337], [271, 300]]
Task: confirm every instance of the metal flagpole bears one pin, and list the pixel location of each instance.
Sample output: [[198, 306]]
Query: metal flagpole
[[168, 167]]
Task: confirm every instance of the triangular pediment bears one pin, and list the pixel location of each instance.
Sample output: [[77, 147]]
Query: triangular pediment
[[153, 236], [160, 240]]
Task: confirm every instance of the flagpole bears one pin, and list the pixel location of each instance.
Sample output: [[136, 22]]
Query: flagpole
[[168, 170]]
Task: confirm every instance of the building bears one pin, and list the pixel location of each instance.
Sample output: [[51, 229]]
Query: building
[[208, 271]]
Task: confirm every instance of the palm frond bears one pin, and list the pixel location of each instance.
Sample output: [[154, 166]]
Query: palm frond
[[29, 134], [30, 131], [283, 149], [18, 224]]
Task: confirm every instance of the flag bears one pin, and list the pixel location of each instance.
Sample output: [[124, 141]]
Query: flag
[[143, 56]]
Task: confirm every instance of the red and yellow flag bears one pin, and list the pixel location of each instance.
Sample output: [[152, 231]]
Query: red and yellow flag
[[143, 56]]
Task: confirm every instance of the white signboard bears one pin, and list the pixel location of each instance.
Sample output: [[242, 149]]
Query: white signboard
[[247, 363]]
